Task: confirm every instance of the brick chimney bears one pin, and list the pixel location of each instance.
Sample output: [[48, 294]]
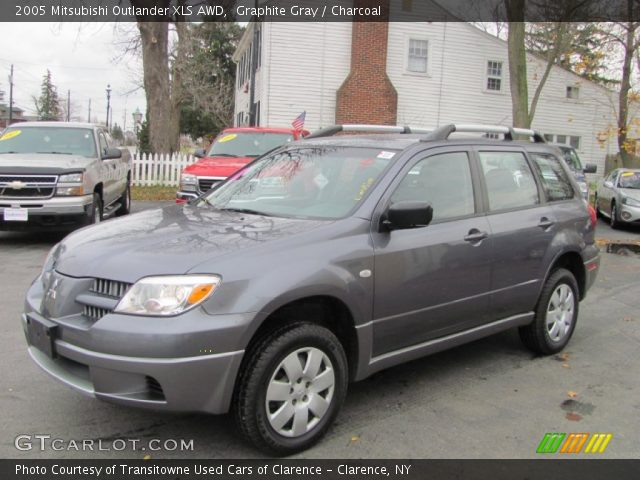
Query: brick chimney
[[367, 95]]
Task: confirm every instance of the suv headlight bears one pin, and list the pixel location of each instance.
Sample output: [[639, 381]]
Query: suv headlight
[[632, 202], [167, 295], [188, 181], [70, 184]]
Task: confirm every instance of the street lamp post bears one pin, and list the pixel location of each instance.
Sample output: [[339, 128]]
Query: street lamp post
[[137, 120], [108, 104]]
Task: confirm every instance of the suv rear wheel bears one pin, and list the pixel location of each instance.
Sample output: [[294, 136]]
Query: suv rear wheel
[[556, 315], [292, 388]]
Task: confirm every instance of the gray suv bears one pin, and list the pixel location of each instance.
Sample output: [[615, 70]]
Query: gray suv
[[318, 264]]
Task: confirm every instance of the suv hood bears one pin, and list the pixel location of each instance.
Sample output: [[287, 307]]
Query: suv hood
[[42, 163], [217, 166], [168, 241]]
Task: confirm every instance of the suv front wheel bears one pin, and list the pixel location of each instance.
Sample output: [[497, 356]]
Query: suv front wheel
[[291, 388], [555, 316]]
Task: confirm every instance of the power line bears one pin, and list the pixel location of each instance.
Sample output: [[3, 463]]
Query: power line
[[73, 67]]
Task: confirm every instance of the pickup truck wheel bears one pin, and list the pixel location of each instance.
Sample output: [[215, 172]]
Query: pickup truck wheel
[[125, 202], [291, 389], [96, 210], [614, 222], [556, 315]]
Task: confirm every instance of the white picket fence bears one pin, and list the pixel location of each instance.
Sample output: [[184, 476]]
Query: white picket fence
[[158, 169]]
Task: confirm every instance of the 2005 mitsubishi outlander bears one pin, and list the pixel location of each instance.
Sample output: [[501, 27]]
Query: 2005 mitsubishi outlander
[[318, 264]]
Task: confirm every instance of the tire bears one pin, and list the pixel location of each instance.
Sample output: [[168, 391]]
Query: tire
[[95, 216], [125, 202], [541, 335], [295, 345], [614, 222]]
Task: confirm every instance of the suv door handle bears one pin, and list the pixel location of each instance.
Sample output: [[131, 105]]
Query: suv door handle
[[545, 223], [475, 236]]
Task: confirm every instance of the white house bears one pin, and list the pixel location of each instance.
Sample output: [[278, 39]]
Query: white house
[[411, 73]]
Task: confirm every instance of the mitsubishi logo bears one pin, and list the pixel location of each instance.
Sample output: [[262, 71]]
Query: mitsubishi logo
[[51, 293], [16, 185]]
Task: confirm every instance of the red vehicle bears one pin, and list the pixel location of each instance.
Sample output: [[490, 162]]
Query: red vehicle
[[231, 150]]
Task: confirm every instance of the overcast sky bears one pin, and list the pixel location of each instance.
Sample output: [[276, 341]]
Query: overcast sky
[[81, 58]]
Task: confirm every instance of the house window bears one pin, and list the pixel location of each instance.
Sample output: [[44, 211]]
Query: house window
[[569, 140], [418, 53], [494, 75], [573, 92], [574, 142]]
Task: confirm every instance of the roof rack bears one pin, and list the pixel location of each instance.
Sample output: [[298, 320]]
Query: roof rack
[[334, 129], [442, 133]]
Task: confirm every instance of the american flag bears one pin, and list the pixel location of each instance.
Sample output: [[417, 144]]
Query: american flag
[[298, 123]]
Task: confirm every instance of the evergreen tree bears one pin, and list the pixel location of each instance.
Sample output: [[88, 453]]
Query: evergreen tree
[[48, 105]]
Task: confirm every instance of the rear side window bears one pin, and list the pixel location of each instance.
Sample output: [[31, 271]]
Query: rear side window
[[555, 181], [509, 180], [443, 181]]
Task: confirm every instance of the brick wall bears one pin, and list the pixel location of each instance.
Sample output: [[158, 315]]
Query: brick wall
[[367, 95]]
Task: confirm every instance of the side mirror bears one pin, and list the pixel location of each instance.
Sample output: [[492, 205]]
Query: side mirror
[[608, 184], [590, 168], [409, 214], [111, 153], [200, 153]]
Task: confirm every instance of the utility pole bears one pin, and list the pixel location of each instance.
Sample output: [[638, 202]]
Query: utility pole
[[68, 105], [253, 121], [89, 114], [10, 96], [108, 104]]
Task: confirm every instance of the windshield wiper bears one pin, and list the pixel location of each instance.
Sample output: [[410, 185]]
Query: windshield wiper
[[245, 210], [7, 153], [224, 155], [55, 153]]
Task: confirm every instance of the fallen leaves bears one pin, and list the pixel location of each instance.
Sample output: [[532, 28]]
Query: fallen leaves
[[573, 417], [572, 394], [147, 457]]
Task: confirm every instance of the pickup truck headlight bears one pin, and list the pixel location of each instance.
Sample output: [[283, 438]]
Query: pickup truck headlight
[[632, 202], [188, 181], [70, 184], [167, 295]]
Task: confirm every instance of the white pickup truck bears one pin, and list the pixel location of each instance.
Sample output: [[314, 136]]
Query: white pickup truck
[[59, 176]]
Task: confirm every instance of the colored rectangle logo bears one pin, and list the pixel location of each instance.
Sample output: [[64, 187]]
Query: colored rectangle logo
[[573, 443]]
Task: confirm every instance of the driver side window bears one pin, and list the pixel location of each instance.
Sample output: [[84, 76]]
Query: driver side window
[[103, 143], [443, 181]]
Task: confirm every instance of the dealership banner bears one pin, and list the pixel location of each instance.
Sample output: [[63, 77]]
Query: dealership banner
[[315, 10], [319, 469]]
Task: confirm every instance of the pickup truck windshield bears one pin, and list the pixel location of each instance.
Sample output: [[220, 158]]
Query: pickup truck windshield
[[247, 144], [630, 180], [310, 182], [49, 140]]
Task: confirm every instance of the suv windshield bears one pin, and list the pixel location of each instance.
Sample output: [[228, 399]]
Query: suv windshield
[[571, 158], [630, 180], [314, 182], [49, 140], [247, 144]]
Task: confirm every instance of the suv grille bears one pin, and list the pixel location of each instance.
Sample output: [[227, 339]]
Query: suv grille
[[93, 305], [27, 186], [206, 184], [109, 288]]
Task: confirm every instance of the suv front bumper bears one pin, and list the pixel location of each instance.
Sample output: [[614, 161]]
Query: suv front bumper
[[176, 364], [53, 213]]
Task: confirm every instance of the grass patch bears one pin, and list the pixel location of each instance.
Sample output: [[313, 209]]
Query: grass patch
[[157, 193]]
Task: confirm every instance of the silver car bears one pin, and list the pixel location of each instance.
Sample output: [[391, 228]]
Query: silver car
[[618, 197]]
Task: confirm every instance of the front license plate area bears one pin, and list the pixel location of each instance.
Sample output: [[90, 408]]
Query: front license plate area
[[42, 335], [12, 214]]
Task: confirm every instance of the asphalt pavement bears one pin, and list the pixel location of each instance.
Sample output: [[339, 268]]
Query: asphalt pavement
[[488, 399]]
